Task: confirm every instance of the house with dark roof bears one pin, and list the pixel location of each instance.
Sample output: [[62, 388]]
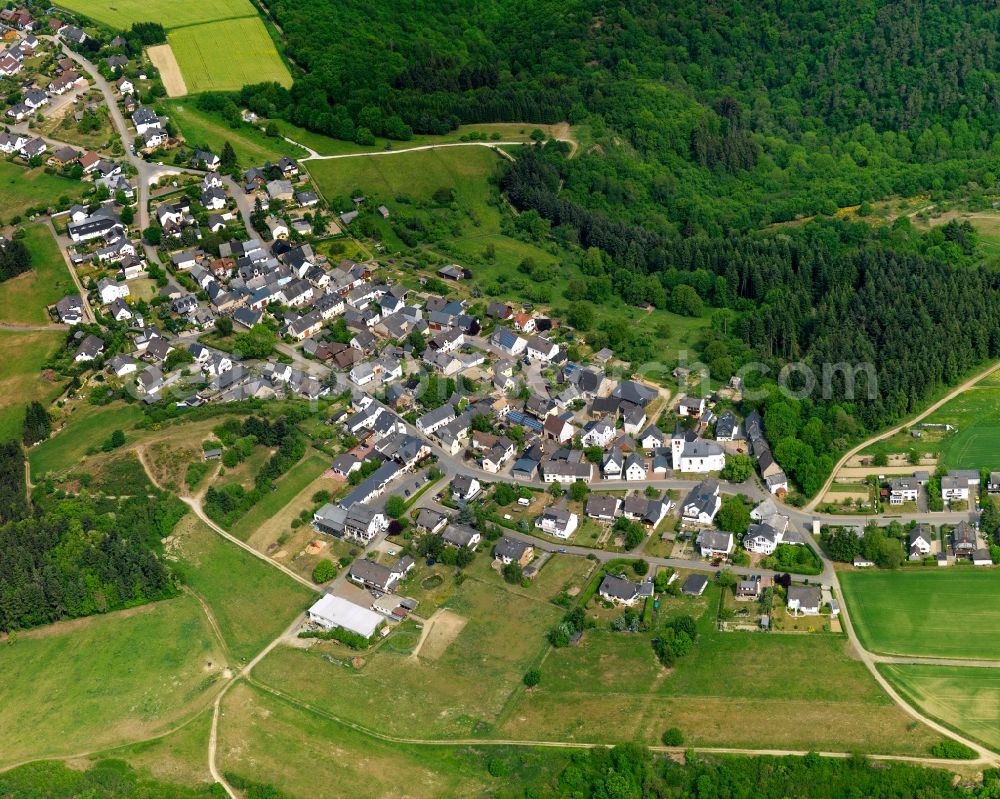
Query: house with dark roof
[[695, 585], [703, 502], [920, 541], [727, 427], [602, 507], [460, 536], [557, 522], [377, 576], [511, 550], [623, 592], [635, 393], [715, 543], [89, 349], [464, 488], [430, 520], [963, 539], [804, 600]]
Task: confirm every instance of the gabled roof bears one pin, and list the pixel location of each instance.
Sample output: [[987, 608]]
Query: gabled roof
[[619, 588], [510, 548]]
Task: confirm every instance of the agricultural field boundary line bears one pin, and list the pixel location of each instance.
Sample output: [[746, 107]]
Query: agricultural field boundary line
[[210, 22]]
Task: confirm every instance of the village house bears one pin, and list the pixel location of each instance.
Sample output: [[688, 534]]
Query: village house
[[715, 543], [691, 406], [70, 310], [903, 489], [458, 536], [558, 430], [694, 585], [378, 577], [804, 600], [613, 464], [430, 520], [623, 592], [748, 590], [920, 541], [602, 507], [598, 433], [727, 428], [955, 486], [964, 541], [510, 550], [559, 471], [557, 522], [90, 348], [702, 503], [635, 468], [464, 488], [762, 538], [110, 290], [540, 349]]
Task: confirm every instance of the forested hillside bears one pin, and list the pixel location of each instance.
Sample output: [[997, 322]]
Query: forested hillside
[[709, 116]]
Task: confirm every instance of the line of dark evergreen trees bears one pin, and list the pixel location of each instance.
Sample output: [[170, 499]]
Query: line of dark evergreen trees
[[14, 259], [13, 502], [37, 423]]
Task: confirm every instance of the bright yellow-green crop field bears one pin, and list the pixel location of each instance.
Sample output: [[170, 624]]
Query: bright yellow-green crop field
[[914, 613], [169, 13], [966, 699], [226, 55]]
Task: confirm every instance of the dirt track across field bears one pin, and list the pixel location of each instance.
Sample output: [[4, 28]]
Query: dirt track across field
[[439, 631], [170, 72]]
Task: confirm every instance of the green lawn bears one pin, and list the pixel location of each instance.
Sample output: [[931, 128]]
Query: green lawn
[[951, 613], [965, 699], [297, 478], [21, 376], [122, 13], [227, 55], [825, 698], [976, 414], [87, 426], [23, 188], [416, 175], [23, 300], [202, 129], [251, 601], [97, 682]]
